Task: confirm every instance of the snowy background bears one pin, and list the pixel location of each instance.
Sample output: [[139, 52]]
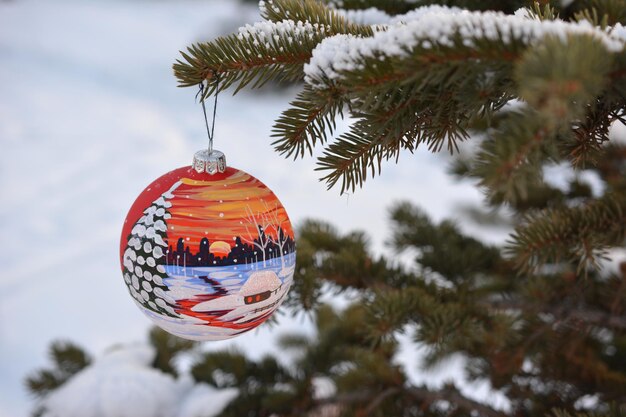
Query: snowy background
[[90, 114]]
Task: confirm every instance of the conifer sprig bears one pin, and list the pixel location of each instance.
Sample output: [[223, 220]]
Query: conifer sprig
[[313, 12], [578, 234], [275, 49], [308, 121], [258, 53]]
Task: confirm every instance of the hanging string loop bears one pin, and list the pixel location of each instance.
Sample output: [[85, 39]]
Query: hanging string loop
[[201, 93], [209, 160]]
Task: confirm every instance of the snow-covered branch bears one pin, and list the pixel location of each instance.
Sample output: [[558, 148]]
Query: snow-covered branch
[[448, 28]]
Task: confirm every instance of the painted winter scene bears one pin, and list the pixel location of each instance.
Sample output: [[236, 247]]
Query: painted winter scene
[[207, 257]]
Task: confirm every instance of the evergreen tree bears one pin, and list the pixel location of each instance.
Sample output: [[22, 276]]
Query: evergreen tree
[[146, 245]]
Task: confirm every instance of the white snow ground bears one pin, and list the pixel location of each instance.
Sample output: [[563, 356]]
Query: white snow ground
[[122, 383], [90, 114]]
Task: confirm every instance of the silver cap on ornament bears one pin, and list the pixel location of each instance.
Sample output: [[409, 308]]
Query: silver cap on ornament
[[209, 161]]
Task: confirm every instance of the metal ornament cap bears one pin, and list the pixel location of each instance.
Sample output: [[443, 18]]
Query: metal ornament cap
[[210, 162]]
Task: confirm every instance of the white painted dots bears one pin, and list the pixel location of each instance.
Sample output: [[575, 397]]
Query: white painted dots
[[128, 264], [160, 225], [134, 243], [139, 230], [151, 233], [146, 286], [129, 253]]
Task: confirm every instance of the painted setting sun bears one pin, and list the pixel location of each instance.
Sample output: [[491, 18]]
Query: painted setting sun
[[219, 248]]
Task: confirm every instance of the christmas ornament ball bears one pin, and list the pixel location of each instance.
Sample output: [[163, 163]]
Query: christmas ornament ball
[[208, 251]]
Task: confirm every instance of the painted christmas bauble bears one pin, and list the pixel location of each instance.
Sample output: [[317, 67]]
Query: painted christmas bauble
[[207, 256]]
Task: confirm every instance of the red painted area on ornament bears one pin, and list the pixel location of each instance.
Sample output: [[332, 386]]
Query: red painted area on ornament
[[212, 318], [155, 189]]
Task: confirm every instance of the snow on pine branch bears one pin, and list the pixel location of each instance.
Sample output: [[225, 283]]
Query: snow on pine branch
[[268, 30], [371, 16], [375, 17], [274, 34], [346, 52], [123, 383]]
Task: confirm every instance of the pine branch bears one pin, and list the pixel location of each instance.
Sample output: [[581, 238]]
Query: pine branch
[[578, 234], [388, 122], [68, 359], [421, 81], [392, 309], [435, 82], [312, 11], [228, 368], [560, 77], [263, 51], [389, 6], [426, 399], [378, 400], [470, 35], [590, 316], [351, 157], [258, 53], [311, 116], [396, 7], [167, 347], [412, 228], [507, 164], [451, 394], [602, 12], [545, 11], [587, 145], [614, 410]]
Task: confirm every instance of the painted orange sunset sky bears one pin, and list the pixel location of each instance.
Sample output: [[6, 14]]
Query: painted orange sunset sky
[[220, 209]]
